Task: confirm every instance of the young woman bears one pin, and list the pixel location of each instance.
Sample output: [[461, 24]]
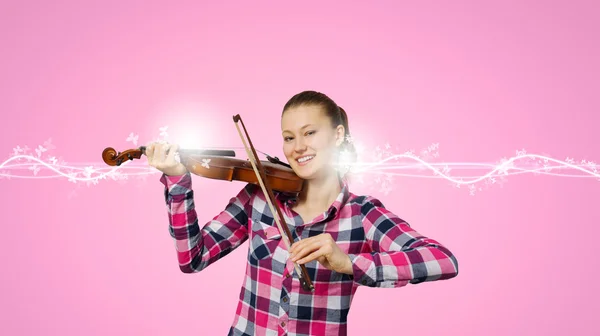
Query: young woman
[[344, 240]]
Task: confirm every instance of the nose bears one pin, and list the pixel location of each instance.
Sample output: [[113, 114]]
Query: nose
[[299, 145]]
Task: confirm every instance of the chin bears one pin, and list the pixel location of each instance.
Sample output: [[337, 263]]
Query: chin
[[307, 172], [303, 173]]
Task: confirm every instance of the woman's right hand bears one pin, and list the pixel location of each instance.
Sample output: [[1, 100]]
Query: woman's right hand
[[163, 161]]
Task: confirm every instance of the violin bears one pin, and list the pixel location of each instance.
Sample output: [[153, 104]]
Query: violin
[[221, 165]]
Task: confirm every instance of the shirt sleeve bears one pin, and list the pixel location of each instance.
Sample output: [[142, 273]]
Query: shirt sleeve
[[399, 255], [197, 247]]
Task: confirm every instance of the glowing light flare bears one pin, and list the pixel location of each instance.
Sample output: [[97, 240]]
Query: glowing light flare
[[192, 124]]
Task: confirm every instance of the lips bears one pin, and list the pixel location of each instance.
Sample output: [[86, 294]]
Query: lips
[[305, 159]]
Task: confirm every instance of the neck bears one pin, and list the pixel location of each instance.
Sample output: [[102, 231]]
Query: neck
[[321, 192]]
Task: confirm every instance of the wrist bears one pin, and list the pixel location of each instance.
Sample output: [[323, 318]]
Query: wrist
[[176, 171], [348, 269]]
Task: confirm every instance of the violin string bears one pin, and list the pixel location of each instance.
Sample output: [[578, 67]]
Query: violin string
[[232, 148], [226, 148]]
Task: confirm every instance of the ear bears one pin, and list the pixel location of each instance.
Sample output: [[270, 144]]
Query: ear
[[340, 134]]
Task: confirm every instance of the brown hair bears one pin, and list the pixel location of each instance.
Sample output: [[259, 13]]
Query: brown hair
[[336, 114]]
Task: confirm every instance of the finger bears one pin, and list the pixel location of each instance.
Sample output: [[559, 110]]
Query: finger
[[160, 153], [314, 245], [172, 151], [300, 249], [150, 153], [301, 243], [157, 156], [313, 256], [320, 236], [324, 237]]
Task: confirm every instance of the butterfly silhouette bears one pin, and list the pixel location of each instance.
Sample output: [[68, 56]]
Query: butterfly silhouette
[[40, 150], [18, 150], [48, 144], [133, 138], [35, 169], [163, 131]]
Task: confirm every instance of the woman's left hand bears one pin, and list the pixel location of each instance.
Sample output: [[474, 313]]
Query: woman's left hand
[[323, 249]]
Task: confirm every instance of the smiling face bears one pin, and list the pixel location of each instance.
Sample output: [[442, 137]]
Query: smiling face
[[310, 140]]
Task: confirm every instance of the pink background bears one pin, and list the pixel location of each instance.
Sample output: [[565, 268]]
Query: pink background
[[483, 80]]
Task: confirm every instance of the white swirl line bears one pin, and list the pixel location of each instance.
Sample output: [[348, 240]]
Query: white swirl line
[[491, 173], [368, 168], [55, 170]]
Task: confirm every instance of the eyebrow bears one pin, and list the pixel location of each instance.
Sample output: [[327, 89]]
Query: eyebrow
[[301, 128]]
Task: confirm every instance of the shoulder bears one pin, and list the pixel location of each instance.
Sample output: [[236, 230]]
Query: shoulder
[[365, 202], [372, 211], [247, 193], [252, 195]]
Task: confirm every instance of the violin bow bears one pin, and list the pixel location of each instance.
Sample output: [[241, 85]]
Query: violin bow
[[275, 210]]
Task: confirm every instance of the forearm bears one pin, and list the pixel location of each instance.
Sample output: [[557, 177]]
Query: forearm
[[427, 261], [397, 253], [197, 247], [188, 237]]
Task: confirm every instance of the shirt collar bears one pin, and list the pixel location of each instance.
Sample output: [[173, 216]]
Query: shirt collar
[[289, 199]]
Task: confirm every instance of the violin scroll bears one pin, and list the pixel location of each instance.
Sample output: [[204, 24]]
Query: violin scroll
[[113, 158]]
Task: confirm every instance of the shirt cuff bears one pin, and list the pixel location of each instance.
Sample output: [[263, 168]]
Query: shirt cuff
[[366, 272], [177, 185], [363, 270]]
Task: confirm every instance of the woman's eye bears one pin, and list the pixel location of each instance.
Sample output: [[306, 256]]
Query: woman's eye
[[287, 139], [310, 132]]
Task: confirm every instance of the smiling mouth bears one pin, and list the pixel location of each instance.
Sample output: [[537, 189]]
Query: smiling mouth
[[305, 159]]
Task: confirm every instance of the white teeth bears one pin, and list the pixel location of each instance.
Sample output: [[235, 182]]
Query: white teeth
[[304, 159]]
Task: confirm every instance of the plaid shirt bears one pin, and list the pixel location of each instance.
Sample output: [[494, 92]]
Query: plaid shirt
[[385, 252]]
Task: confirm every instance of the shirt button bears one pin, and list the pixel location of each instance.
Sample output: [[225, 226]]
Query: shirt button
[[364, 282], [283, 324], [287, 275], [285, 299]]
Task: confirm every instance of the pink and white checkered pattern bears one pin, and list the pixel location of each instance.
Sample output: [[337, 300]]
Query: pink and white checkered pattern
[[384, 249]]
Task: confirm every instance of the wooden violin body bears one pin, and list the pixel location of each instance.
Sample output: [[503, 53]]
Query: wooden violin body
[[220, 165], [223, 168]]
